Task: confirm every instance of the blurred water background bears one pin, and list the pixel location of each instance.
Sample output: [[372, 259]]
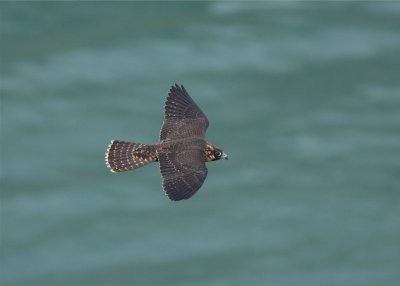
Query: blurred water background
[[303, 96]]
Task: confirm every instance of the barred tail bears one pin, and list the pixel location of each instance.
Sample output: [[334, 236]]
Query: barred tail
[[124, 156]]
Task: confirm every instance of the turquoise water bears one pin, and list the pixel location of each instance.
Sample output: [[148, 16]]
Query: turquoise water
[[304, 97]]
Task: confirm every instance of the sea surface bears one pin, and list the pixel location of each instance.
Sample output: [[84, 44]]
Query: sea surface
[[304, 97]]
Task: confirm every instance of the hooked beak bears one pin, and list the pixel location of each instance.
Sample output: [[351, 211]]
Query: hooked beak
[[224, 156]]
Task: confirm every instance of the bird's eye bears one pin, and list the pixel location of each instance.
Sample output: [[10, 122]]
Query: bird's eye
[[218, 154]]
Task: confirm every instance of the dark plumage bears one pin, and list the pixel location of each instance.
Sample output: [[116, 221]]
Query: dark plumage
[[182, 150]]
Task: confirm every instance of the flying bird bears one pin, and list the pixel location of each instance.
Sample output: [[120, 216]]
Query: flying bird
[[182, 150]]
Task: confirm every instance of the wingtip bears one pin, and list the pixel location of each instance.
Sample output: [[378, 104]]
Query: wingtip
[[172, 89], [175, 89], [177, 86]]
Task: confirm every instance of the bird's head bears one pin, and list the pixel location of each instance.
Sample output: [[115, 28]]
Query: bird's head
[[213, 153]]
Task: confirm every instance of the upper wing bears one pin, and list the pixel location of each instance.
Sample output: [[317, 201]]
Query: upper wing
[[183, 169], [183, 118]]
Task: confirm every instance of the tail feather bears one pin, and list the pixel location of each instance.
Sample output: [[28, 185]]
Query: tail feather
[[123, 156]]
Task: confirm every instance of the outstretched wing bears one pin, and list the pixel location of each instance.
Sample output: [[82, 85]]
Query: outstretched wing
[[183, 118], [183, 169]]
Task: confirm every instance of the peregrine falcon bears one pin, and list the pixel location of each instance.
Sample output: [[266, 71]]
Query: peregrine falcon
[[182, 150]]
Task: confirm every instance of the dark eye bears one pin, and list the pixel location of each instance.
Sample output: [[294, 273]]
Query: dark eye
[[218, 154]]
